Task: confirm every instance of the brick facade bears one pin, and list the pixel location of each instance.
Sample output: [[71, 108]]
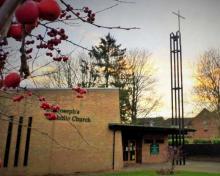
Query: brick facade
[[64, 146], [79, 141], [162, 156], [207, 125]]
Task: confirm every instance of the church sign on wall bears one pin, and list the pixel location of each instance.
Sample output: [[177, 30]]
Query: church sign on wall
[[72, 115], [154, 149]]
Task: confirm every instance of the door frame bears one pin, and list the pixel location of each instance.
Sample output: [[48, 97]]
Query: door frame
[[134, 148]]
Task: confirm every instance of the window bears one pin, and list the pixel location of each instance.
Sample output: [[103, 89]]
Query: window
[[159, 141], [18, 142], [8, 142], [148, 141], [26, 153]]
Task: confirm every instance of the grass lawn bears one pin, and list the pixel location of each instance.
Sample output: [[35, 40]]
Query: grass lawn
[[152, 173]]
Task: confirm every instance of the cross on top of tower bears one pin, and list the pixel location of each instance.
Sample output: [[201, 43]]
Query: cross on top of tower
[[179, 17]]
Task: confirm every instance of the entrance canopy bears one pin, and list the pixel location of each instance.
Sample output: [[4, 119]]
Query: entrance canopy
[[144, 128], [145, 144]]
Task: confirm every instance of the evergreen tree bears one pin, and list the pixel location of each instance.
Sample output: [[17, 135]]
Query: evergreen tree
[[113, 69]]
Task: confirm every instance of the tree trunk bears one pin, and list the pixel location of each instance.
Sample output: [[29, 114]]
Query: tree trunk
[[134, 102]]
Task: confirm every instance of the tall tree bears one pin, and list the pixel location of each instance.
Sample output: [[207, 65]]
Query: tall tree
[[78, 70], [143, 98], [207, 75], [89, 75], [108, 55], [113, 70]]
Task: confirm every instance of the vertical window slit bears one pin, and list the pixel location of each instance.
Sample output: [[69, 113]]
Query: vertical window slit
[[26, 153], [18, 142], [8, 142]]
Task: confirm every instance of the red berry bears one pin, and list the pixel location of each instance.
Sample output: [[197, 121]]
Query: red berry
[[15, 31], [27, 13], [18, 98], [41, 98], [50, 115], [29, 94], [45, 106], [77, 89], [49, 10], [82, 91], [55, 108], [69, 8], [86, 9], [65, 59], [93, 15], [79, 96], [12, 80]]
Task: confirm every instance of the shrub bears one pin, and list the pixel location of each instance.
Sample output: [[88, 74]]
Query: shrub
[[202, 141], [186, 141], [216, 141]]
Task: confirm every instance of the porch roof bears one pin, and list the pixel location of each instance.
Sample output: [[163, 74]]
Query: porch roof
[[144, 128]]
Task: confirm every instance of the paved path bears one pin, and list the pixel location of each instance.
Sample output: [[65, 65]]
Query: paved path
[[212, 167]]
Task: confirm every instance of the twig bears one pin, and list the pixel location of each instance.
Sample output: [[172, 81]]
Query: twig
[[66, 39], [99, 26], [126, 2]]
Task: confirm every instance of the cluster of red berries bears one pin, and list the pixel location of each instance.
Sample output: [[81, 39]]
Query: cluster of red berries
[[18, 98], [69, 8], [90, 15], [50, 115], [51, 110], [61, 58], [56, 37], [80, 91], [64, 13], [28, 14], [41, 99], [29, 42], [46, 106], [58, 34], [28, 51]]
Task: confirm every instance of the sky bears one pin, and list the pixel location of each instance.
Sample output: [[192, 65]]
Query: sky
[[200, 32]]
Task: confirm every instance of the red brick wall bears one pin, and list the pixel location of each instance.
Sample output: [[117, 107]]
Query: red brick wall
[[206, 128], [163, 150]]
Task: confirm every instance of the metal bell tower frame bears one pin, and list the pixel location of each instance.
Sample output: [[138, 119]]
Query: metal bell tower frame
[[178, 139]]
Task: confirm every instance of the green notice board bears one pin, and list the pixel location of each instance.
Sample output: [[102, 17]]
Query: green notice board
[[154, 149]]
